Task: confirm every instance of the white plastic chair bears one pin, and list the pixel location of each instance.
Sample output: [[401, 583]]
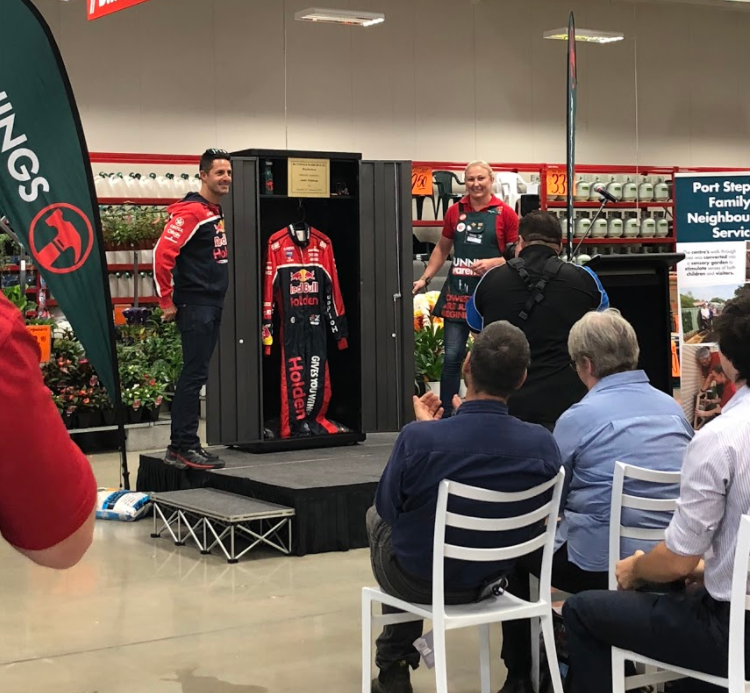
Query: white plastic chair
[[622, 500], [740, 602], [506, 607]]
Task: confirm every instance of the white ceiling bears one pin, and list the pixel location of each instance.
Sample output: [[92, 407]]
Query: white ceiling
[[720, 4]]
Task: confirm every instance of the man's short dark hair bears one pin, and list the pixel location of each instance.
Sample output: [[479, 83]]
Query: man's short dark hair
[[499, 359], [540, 227], [718, 369], [732, 328], [210, 155]]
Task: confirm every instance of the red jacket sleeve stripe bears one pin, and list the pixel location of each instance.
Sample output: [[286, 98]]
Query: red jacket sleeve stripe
[[178, 231]]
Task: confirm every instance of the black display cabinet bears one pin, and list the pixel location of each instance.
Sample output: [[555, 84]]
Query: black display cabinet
[[368, 220], [638, 286]]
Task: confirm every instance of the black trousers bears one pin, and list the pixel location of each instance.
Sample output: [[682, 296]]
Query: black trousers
[[690, 629], [199, 329], [395, 644], [566, 576]]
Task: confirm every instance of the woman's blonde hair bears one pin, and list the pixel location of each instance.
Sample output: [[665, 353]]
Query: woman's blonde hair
[[481, 164]]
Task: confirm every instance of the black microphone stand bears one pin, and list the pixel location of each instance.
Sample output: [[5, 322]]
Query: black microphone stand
[[604, 202]]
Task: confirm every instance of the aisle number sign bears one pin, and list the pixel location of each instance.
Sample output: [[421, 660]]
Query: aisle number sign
[[557, 183], [421, 180], [101, 8], [43, 336]]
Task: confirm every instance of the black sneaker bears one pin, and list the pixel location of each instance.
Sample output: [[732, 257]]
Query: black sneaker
[[191, 459], [517, 684], [394, 679], [210, 456]]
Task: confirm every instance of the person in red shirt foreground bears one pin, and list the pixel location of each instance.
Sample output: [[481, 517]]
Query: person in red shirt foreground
[[476, 230], [47, 488]]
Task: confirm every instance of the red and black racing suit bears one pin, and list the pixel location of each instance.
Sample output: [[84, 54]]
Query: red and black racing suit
[[301, 279]]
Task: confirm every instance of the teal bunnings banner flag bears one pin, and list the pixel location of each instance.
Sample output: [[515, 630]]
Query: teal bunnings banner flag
[[571, 138], [46, 186]]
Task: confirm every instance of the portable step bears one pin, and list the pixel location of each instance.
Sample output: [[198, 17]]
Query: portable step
[[214, 518]]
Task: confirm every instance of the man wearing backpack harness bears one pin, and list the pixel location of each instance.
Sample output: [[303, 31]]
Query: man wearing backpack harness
[[545, 297]]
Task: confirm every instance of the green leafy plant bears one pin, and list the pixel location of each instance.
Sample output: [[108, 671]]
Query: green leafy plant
[[17, 296], [4, 245], [146, 393], [150, 359], [155, 347], [42, 321], [429, 353], [132, 226]]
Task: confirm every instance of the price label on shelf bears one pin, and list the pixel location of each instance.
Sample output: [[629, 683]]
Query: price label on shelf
[[557, 183], [421, 180], [43, 336]]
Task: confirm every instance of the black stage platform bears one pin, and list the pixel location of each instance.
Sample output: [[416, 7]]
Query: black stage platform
[[330, 489]]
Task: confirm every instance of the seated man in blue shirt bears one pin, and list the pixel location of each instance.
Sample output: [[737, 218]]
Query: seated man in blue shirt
[[482, 445], [621, 419]]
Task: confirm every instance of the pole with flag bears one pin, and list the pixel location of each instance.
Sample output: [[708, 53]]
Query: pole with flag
[[571, 127], [47, 188]]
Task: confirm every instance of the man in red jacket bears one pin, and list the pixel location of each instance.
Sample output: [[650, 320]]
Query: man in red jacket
[[192, 275], [47, 488]]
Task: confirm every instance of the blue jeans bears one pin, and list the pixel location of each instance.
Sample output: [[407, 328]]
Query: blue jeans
[[199, 329], [455, 336]]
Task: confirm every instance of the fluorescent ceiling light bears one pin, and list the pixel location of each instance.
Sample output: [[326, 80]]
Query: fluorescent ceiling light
[[586, 35], [348, 17]]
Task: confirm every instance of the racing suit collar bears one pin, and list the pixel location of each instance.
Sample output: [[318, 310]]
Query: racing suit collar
[[293, 235]]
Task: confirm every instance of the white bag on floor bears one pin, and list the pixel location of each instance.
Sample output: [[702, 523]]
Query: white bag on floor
[[125, 506]]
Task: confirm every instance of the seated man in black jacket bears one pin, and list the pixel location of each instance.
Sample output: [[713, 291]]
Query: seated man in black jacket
[[545, 297], [481, 446]]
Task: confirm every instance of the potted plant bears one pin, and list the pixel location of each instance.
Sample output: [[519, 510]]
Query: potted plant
[[429, 355], [131, 399], [69, 407], [89, 411], [152, 397], [66, 409], [93, 401]]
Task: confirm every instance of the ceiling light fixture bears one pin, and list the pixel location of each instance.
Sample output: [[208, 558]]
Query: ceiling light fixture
[[348, 17], [585, 35]]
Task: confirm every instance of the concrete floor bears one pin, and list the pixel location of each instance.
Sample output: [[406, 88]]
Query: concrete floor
[[139, 615]]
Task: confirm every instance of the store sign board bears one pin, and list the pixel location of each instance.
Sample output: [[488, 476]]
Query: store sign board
[[557, 183], [101, 8], [309, 178], [421, 180], [712, 219], [46, 184], [43, 336]]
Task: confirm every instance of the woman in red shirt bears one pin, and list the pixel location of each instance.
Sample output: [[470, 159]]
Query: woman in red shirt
[[476, 231]]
